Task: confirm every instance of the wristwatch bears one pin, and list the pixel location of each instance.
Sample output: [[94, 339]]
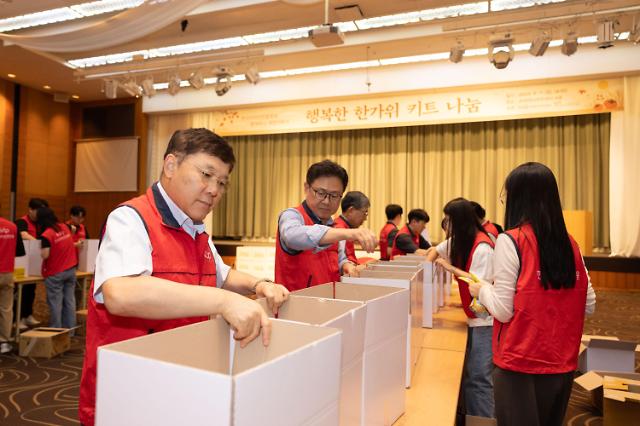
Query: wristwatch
[[261, 280]]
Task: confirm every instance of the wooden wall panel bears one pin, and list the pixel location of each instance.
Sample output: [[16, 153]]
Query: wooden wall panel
[[6, 135], [615, 280], [43, 165]]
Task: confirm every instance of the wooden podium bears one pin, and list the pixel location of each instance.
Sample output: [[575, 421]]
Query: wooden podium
[[580, 225]]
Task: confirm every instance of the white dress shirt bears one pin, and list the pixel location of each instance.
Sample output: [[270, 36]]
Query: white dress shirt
[[481, 267], [126, 249], [498, 298]]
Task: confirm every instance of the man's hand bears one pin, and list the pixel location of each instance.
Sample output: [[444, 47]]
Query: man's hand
[[367, 239], [350, 270], [246, 318], [276, 294]]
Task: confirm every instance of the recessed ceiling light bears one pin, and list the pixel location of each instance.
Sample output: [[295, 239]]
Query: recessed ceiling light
[[11, 75], [75, 96], [46, 87]]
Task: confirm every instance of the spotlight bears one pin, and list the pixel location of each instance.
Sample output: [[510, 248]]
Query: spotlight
[[111, 89], [456, 53], [539, 44], [131, 87], [606, 34], [223, 81], [147, 86], [570, 44], [501, 51], [252, 75], [174, 84], [196, 80], [634, 34]]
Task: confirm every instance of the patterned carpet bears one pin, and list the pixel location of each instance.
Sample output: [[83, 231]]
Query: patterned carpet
[[45, 392]]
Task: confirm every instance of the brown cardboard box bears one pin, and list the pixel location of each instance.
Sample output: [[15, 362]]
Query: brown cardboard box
[[44, 342], [593, 382], [621, 403]]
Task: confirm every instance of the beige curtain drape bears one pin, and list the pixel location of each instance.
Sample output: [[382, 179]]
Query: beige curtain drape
[[416, 167]]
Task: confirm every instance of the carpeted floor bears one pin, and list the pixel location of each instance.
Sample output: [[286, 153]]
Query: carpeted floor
[[45, 392]]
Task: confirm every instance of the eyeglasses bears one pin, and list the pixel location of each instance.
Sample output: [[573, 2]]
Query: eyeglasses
[[209, 178], [321, 195]]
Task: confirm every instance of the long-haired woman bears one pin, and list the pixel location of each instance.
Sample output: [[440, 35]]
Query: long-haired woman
[[468, 250], [539, 297], [58, 268]]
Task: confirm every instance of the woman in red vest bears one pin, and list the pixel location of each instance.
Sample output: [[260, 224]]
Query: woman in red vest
[[58, 268], [468, 249], [539, 297]]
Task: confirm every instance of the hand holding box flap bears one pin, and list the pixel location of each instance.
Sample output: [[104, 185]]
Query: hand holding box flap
[[181, 376]]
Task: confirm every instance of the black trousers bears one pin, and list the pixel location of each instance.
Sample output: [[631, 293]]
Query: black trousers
[[28, 296], [531, 399]]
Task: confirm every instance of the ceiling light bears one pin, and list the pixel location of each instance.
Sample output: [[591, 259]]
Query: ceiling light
[[75, 97], [111, 89], [501, 51], [252, 75], [46, 87], [196, 80], [605, 34], [569, 44], [223, 81], [147, 86], [11, 75], [132, 88], [539, 45], [174, 84], [456, 53]]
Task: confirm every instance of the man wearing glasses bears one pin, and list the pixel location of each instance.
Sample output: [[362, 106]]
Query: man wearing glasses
[[157, 268], [307, 245]]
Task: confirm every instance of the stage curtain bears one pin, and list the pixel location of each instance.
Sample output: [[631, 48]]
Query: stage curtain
[[416, 167], [625, 173]]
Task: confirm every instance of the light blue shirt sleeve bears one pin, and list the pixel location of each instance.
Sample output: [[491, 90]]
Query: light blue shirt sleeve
[[296, 236]]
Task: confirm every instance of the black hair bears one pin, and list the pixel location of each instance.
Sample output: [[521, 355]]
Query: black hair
[[419, 215], [45, 219], [463, 227], [480, 211], [194, 141], [392, 211], [77, 211], [533, 198], [36, 203], [355, 199], [327, 168]]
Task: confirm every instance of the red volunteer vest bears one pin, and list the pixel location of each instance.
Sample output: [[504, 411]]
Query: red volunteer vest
[[395, 251], [349, 248], [81, 232], [176, 257], [62, 253], [384, 239], [306, 268], [491, 229], [543, 336], [8, 241], [465, 295], [31, 226]]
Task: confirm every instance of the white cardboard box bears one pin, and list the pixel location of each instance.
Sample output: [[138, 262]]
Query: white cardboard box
[[606, 353], [87, 256], [195, 375], [412, 281], [21, 267], [385, 354], [33, 256], [348, 316]]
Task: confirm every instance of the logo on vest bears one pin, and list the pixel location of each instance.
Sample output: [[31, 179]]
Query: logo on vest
[[539, 275], [208, 255], [4, 230]]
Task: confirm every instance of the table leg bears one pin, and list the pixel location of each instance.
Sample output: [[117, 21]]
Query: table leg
[[18, 312]]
